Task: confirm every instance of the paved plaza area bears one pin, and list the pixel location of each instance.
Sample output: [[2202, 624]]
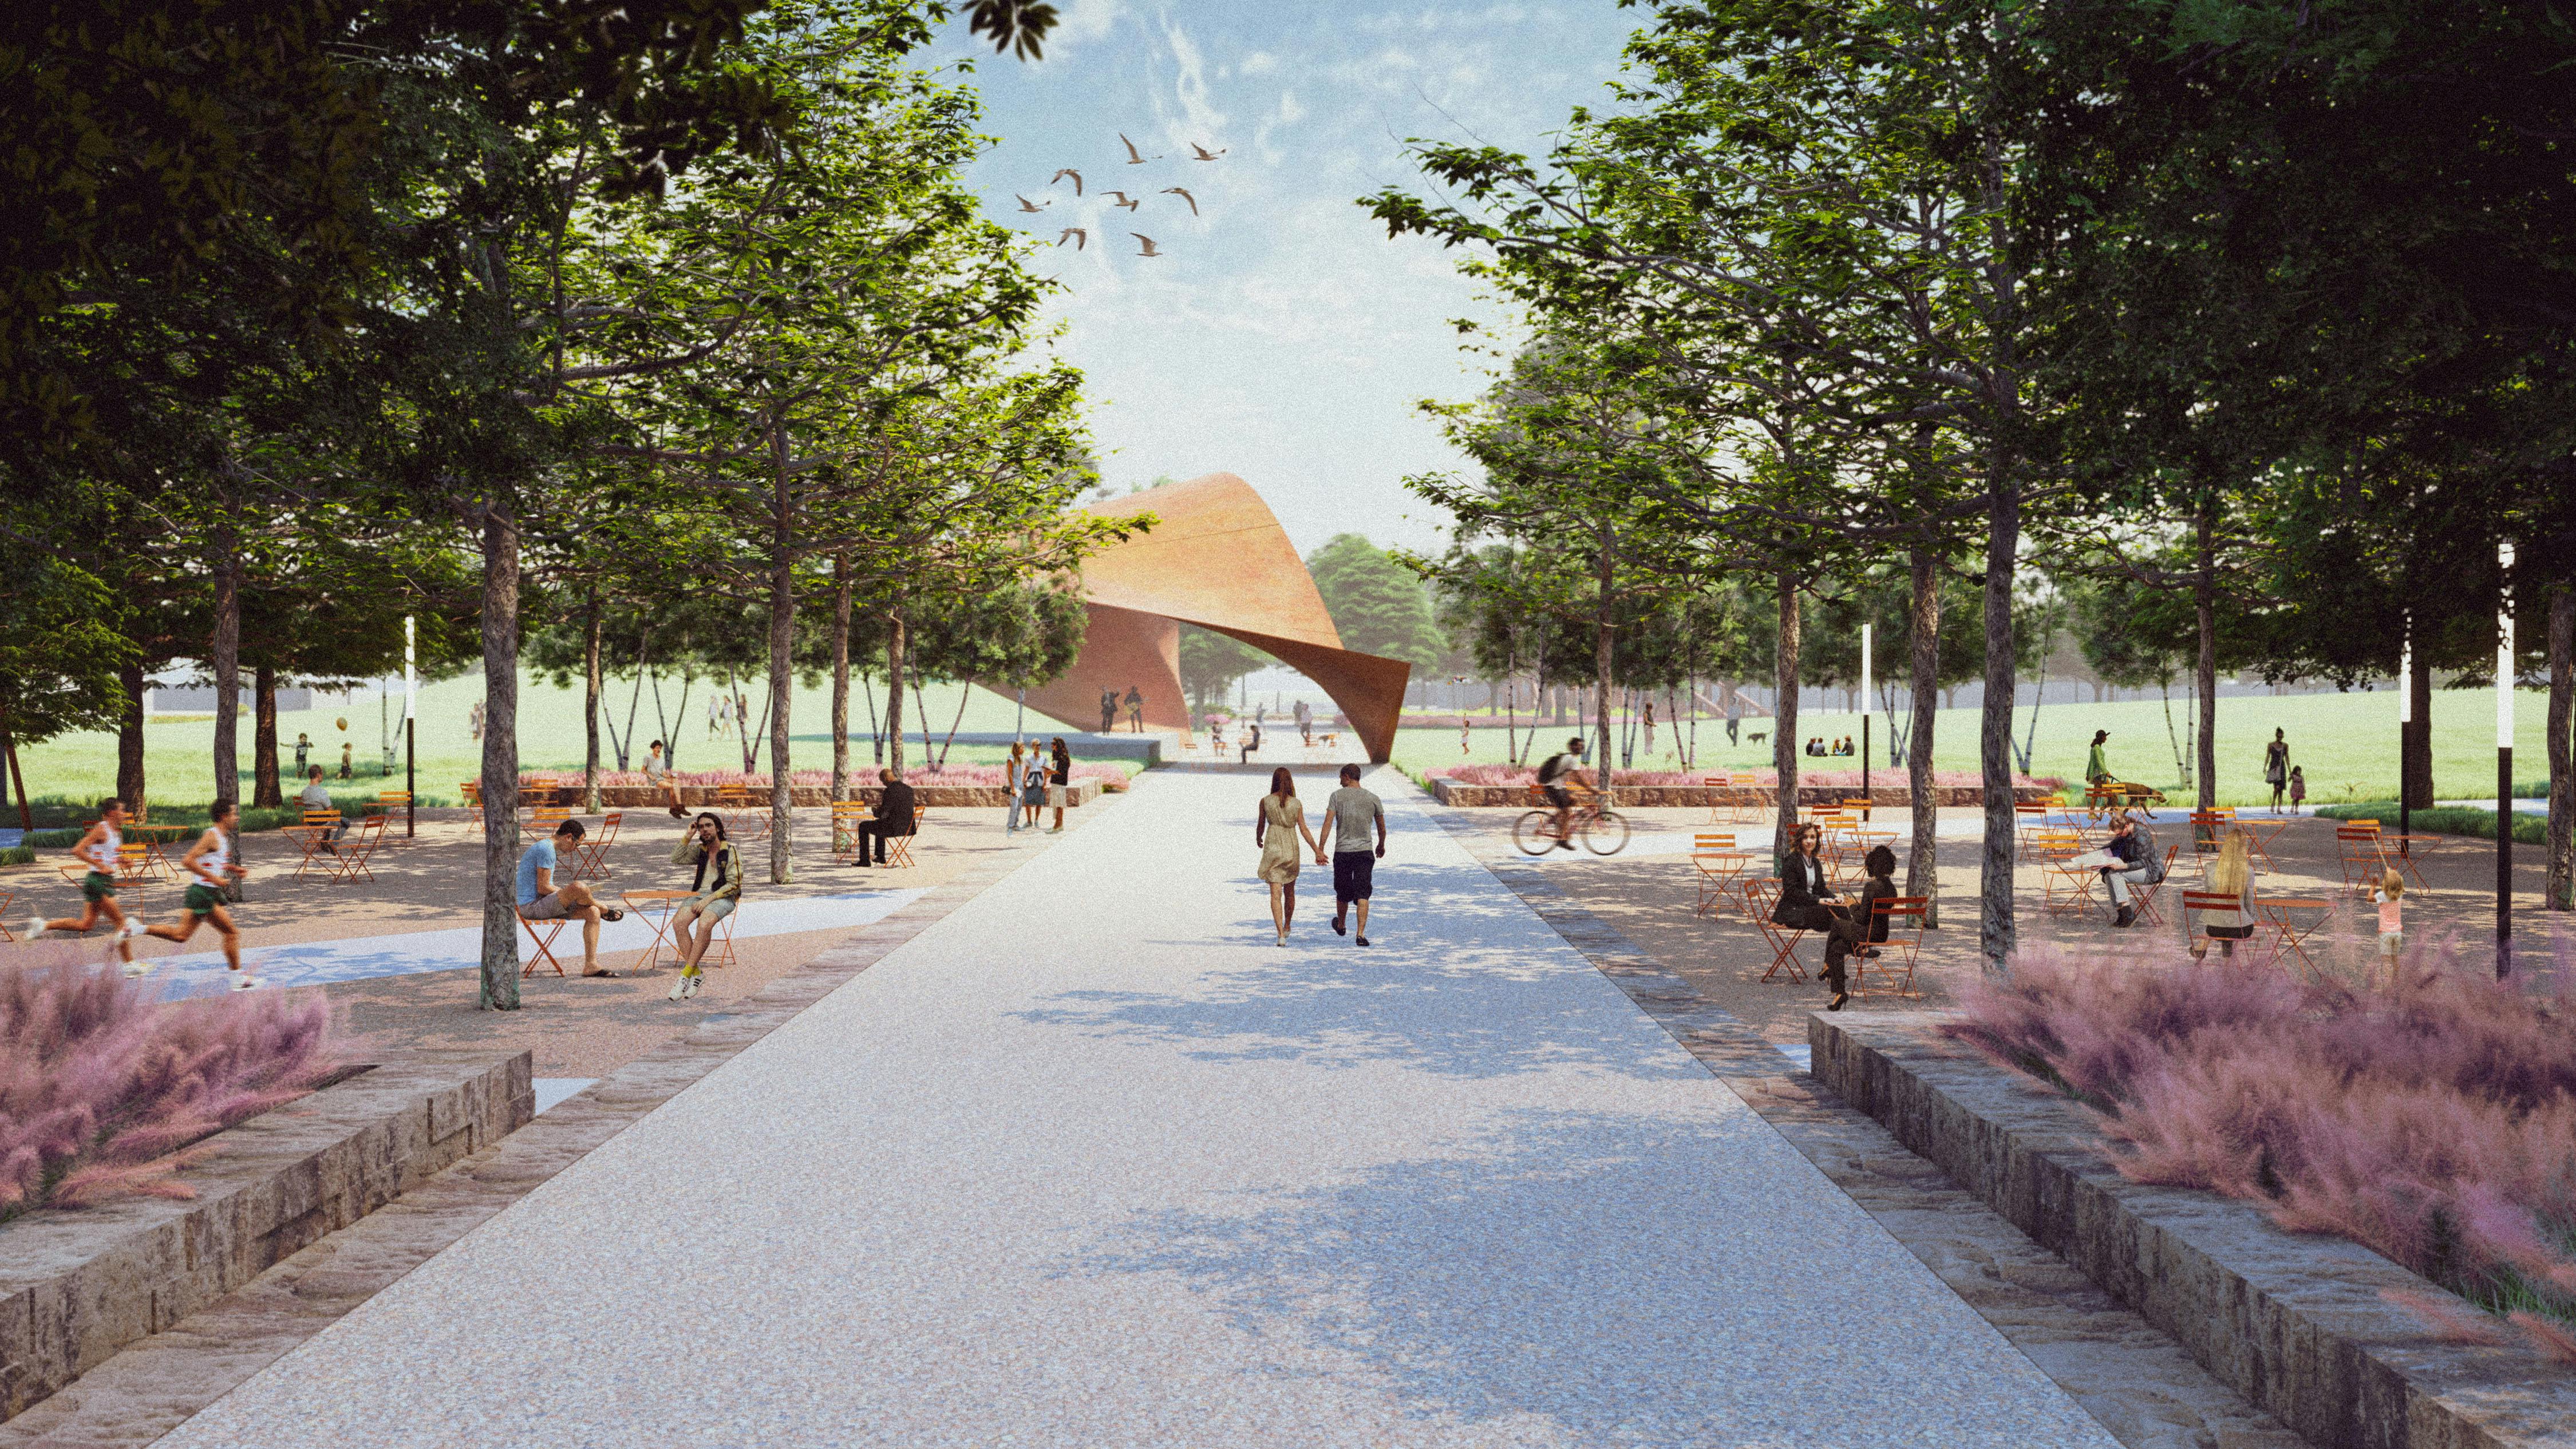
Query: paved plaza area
[[1089, 1160]]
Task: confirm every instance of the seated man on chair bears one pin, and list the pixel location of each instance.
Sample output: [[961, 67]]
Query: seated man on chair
[[894, 817], [541, 900], [2135, 845]]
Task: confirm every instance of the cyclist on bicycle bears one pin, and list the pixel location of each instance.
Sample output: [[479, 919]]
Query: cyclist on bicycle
[[1557, 777]]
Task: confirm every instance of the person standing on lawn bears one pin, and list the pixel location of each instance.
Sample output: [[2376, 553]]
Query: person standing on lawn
[[540, 899], [210, 860], [1276, 828], [99, 848], [714, 892], [303, 749], [2276, 768], [1349, 815]]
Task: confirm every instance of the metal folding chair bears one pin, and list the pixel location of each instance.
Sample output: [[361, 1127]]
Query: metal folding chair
[[352, 850], [544, 934], [848, 816], [899, 847], [593, 862], [2143, 897], [1761, 897], [1885, 914], [1719, 866]]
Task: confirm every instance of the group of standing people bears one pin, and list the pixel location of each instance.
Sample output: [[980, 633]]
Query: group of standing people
[[1033, 780], [1353, 842], [1135, 702]]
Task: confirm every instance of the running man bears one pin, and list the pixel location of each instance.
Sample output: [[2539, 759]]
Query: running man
[[98, 849], [541, 900], [210, 860], [1348, 815]]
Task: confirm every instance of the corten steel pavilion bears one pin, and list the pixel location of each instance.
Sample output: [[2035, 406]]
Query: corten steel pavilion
[[1217, 558]]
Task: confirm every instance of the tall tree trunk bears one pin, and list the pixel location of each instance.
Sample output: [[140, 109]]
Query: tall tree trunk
[[500, 980], [1605, 571], [591, 685], [1922, 865], [2204, 603], [841, 678], [17, 772], [265, 792], [895, 642], [1784, 724], [782, 666], [1995, 927], [2560, 894], [227, 662], [129, 738], [2415, 743]]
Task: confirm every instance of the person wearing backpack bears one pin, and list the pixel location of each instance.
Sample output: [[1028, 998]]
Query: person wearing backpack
[[1559, 776]]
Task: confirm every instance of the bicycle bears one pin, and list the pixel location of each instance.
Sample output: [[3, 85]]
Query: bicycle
[[1604, 831]]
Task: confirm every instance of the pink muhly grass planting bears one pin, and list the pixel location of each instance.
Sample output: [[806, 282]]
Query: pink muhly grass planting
[[1525, 775], [2434, 1122], [986, 777], [104, 1090]]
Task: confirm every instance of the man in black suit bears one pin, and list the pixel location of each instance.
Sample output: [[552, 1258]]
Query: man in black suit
[[894, 817]]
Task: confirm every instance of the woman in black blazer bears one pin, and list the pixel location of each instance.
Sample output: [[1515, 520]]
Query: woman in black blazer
[[1807, 901]]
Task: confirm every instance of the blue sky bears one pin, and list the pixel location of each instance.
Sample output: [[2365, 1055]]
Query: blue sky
[[1284, 337]]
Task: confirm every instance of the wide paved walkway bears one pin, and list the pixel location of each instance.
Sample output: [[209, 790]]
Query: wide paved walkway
[[1091, 1162]]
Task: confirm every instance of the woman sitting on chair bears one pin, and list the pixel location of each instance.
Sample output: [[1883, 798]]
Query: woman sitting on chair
[[1807, 901], [713, 894]]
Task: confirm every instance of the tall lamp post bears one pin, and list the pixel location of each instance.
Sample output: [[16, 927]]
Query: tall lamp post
[[2405, 732], [411, 700], [1864, 722], [2504, 762]]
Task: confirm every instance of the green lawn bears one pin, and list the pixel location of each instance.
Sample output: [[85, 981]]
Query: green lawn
[[2346, 743], [178, 753]]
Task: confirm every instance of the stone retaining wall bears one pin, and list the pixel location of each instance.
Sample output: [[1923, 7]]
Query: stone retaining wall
[[703, 797], [2297, 1323], [78, 1284], [1706, 797]]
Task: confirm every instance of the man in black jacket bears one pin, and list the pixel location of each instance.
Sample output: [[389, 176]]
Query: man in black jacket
[[894, 817]]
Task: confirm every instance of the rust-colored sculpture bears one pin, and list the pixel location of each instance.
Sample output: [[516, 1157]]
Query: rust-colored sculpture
[[1216, 558]]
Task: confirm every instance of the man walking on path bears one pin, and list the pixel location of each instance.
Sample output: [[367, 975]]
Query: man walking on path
[[1306, 722], [1348, 815]]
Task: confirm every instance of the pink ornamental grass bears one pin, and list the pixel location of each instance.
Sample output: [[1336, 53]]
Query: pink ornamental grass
[[2434, 1122], [1523, 776], [987, 777], [105, 1091]]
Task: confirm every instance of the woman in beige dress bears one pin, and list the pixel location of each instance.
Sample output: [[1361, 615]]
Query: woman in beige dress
[[1281, 822]]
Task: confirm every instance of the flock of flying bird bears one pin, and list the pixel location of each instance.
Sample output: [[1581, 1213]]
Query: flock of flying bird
[[1080, 237]]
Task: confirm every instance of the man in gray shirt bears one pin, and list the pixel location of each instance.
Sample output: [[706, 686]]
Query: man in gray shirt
[[1348, 815]]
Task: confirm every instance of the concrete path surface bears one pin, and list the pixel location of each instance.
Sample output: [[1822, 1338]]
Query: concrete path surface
[[1091, 1162]]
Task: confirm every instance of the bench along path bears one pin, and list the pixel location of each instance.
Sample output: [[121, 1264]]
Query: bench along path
[[1093, 1162]]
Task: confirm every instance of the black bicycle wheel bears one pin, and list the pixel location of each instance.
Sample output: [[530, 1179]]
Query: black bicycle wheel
[[1534, 832], [1606, 833]]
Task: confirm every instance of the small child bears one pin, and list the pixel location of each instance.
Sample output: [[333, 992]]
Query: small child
[[2298, 786], [2392, 916]]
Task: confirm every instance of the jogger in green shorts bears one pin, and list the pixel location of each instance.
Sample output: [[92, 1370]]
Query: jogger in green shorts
[[98, 849], [209, 861]]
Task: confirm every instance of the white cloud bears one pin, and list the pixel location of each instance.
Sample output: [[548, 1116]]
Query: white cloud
[[1084, 20], [1260, 62]]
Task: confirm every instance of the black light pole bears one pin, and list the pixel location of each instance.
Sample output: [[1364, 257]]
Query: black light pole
[[2405, 731], [1864, 723], [411, 697], [2504, 763]]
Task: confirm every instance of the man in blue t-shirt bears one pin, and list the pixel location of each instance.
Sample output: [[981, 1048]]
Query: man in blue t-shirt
[[540, 899]]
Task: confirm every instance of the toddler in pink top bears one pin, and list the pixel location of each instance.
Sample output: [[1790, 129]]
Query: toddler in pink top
[[2392, 920]]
